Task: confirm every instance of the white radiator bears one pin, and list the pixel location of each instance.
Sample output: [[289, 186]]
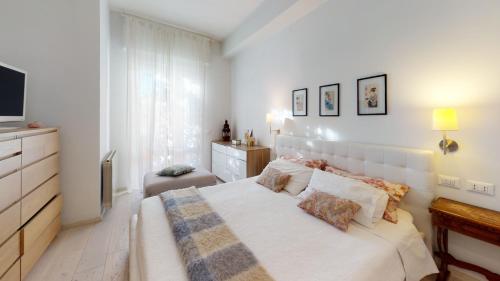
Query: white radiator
[[107, 183]]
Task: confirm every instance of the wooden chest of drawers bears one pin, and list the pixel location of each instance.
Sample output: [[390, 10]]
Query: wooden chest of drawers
[[30, 200], [231, 163]]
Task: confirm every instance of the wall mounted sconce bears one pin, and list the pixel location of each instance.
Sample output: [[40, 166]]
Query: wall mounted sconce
[[445, 119], [269, 121]]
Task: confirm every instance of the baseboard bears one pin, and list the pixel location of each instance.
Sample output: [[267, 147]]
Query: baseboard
[[81, 223], [120, 192], [458, 274]]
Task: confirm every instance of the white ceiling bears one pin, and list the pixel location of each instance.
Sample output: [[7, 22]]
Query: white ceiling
[[215, 18]]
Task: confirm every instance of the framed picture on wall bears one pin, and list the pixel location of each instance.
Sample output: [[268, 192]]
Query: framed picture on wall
[[329, 100], [299, 102], [372, 95]]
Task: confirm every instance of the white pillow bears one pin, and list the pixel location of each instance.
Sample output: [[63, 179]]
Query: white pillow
[[300, 175], [373, 201]]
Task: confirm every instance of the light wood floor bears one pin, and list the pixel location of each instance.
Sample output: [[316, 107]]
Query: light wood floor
[[92, 252]]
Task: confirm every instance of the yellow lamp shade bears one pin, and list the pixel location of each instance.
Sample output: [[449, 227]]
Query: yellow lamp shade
[[269, 118], [445, 119]]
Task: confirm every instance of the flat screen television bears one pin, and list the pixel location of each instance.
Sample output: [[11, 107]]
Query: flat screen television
[[12, 93]]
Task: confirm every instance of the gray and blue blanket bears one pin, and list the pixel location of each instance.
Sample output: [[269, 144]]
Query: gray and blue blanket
[[210, 250]]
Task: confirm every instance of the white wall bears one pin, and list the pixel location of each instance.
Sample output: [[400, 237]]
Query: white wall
[[118, 96], [57, 42], [217, 101], [436, 53], [104, 77]]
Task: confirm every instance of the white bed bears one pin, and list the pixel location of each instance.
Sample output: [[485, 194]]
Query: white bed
[[293, 245]]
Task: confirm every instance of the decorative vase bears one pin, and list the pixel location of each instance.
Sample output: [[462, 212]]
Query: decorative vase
[[226, 132]]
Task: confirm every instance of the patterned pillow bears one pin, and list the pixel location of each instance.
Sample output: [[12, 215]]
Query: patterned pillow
[[338, 172], [273, 179], [311, 163], [332, 209], [395, 191]]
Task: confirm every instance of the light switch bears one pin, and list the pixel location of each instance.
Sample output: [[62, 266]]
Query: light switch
[[449, 181]]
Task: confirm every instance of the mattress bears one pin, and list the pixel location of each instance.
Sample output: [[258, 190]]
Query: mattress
[[289, 243]]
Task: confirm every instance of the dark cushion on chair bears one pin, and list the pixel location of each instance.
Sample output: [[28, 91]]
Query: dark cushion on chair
[[154, 184], [175, 171]]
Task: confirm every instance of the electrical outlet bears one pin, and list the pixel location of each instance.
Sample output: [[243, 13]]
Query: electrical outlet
[[481, 187], [449, 181]]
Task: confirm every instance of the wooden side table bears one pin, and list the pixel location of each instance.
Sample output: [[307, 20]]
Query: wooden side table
[[476, 222]]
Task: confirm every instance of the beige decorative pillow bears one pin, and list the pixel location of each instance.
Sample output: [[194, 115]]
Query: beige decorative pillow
[[395, 191], [273, 179], [332, 209], [300, 175]]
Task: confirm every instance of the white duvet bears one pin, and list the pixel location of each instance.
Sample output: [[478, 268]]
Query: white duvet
[[289, 243]]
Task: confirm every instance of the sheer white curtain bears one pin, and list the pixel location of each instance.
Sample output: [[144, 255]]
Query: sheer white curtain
[[166, 91]]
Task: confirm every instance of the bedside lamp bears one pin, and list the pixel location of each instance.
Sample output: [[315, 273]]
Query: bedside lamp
[[269, 121], [445, 119]]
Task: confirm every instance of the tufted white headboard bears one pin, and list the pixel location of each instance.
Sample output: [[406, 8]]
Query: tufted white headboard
[[400, 165]]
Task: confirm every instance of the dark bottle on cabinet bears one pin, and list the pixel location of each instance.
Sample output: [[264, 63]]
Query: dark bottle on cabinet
[[226, 132]]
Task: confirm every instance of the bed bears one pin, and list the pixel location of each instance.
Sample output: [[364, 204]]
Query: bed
[[293, 245]]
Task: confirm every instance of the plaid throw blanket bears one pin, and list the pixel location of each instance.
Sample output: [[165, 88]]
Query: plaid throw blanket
[[210, 250]]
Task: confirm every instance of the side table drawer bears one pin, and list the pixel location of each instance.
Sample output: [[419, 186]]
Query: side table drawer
[[36, 174], [236, 168], [218, 163], [40, 146], [467, 228], [9, 147], [219, 147], [9, 252], [236, 153], [14, 273], [10, 165], [38, 198], [34, 229], [31, 256], [10, 190], [10, 221]]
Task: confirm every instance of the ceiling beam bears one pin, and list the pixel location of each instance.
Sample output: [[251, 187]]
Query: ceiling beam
[[271, 17]]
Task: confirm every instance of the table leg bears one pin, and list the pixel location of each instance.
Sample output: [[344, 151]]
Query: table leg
[[445, 241], [447, 259], [442, 241]]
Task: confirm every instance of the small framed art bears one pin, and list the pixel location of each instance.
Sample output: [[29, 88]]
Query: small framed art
[[372, 95], [329, 100], [299, 102]]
